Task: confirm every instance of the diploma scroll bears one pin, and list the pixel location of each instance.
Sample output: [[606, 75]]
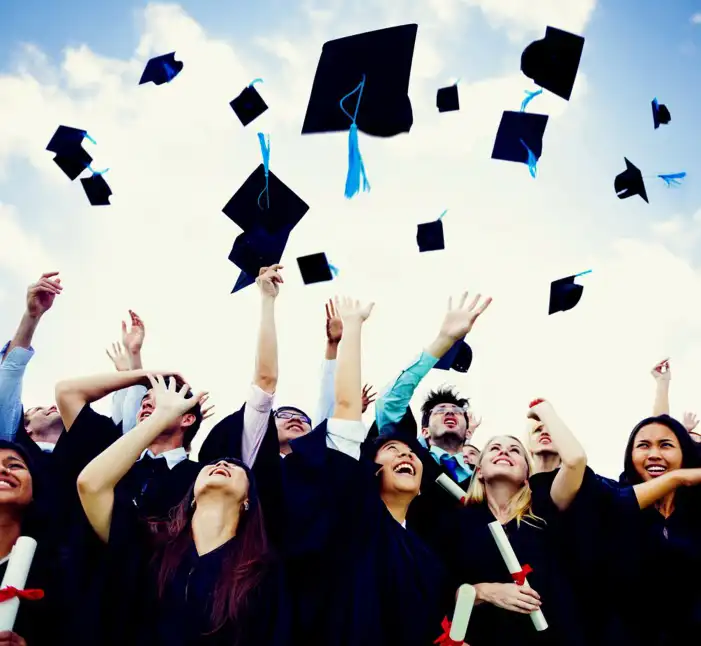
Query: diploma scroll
[[16, 574], [463, 610], [450, 486], [514, 567]]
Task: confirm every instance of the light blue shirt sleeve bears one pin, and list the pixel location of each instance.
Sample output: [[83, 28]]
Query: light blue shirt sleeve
[[11, 375], [327, 395], [118, 405], [132, 404], [395, 399]]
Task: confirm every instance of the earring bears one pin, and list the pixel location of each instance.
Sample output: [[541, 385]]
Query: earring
[[245, 505]]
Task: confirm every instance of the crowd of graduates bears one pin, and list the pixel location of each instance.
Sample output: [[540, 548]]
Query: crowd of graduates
[[288, 529]]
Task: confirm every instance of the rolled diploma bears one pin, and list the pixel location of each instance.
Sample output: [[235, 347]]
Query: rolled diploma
[[463, 610], [16, 574], [450, 486], [514, 567]]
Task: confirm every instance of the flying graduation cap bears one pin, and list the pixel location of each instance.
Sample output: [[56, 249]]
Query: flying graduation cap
[[553, 61], [458, 358], [249, 105], [429, 235], [447, 98], [520, 138], [161, 69], [565, 293], [631, 181], [660, 114], [362, 83], [315, 268]]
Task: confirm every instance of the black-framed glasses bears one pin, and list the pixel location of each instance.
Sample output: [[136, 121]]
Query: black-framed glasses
[[293, 414]]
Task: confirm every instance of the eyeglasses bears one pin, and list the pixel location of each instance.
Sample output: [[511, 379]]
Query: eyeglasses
[[443, 409], [290, 414]]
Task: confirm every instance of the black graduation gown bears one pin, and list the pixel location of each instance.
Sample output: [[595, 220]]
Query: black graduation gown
[[475, 558], [135, 615]]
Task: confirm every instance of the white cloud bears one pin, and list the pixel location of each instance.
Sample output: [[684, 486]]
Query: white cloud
[[696, 19], [177, 153]]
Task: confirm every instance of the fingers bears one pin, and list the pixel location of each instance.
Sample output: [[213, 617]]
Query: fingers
[[198, 397], [484, 305], [333, 309], [46, 287], [529, 592], [328, 312], [154, 379], [474, 302], [49, 274], [113, 359]]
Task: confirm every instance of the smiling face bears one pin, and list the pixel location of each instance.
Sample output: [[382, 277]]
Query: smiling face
[[15, 479], [225, 478], [504, 458], [656, 451], [291, 423], [401, 469], [471, 454], [43, 423]]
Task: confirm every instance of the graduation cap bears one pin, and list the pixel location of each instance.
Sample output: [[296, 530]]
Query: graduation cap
[[70, 156], [161, 69], [249, 105], [630, 182], [553, 61], [384, 58], [315, 268], [429, 235], [520, 138], [254, 249], [660, 114], [565, 293], [447, 99], [458, 358], [97, 189]]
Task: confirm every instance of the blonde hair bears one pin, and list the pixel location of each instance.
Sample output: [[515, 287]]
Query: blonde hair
[[521, 504]]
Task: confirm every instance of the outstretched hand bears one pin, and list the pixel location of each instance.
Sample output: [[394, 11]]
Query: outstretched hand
[[473, 423], [207, 411], [334, 324], [351, 310], [118, 357], [661, 371], [368, 397], [41, 295], [133, 339], [690, 421], [269, 280], [169, 400], [459, 321]]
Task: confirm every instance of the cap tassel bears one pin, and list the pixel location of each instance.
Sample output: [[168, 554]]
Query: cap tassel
[[334, 270], [96, 172], [673, 179], [254, 81], [532, 161], [440, 217], [89, 138], [529, 98], [356, 168], [265, 149]]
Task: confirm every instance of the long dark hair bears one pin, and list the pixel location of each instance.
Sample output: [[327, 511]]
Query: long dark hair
[[691, 454], [245, 561]]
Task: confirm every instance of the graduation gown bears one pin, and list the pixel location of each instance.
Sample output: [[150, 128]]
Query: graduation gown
[[135, 615], [475, 558]]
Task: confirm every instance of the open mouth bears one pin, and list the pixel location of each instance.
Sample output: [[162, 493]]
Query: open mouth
[[220, 471], [145, 414], [656, 470], [503, 460], [7, 483], [545, 439], [450, 422], [404, 469]]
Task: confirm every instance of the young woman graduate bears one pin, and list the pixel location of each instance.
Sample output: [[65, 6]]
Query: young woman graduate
[[205, 576], [500, 491], [35, 624], [360, 577]]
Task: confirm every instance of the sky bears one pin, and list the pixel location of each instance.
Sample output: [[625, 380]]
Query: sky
[[177, 153]]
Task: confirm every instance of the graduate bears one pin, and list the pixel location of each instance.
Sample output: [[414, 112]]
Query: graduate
[[361, 578], [204, 576], [500, 490]]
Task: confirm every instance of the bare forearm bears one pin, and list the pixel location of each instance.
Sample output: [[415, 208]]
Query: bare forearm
[[661, 405], [135, 360], [25, 332], [349, 403], [648, 493], [572, 453], [266, 372], [440, 345]]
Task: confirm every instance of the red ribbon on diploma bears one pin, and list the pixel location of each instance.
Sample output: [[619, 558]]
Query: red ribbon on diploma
[[535, 402], [27, 595], [445, 639], [520, 577]]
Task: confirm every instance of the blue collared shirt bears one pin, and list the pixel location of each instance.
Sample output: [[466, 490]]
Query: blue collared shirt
[[464, 470], [11, 376]]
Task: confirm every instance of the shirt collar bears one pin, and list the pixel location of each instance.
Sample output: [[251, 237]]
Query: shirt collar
[[46, 447], [172, 457], [460, 458]]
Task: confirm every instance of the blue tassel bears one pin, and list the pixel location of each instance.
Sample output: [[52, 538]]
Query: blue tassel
[[672, 179], [96, 172], [265, 149], [529, 98], [89, 138], [440, 217], [334, 270], [254, 81], [532, 161], [356, 167], [584, 273]]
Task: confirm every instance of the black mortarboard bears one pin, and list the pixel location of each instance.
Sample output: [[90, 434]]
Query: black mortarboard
[[70, 156], [429, 236], [315, 268], [564, 294], [553, 62], [630, 182], [97, 189], [243, 281], [458, 358], [248, 211], [660, 114], [161, 69], [447, 99], [517, 129], [383, 58], [257, 248], [248, 105]]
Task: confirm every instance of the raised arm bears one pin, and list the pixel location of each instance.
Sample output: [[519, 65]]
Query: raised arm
[[334, 334], [458, 322], [662, 376], [133, 341], [648, 493], [18, 352], [97, 481], [573, 458]]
